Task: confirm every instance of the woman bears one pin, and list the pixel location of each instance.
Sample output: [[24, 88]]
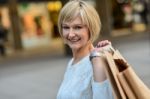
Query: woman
[[79, 25]]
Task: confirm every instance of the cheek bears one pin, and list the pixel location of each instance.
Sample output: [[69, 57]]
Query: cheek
[[87, 35]]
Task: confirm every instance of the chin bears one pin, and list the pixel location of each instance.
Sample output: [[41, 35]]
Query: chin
[[74, 47]]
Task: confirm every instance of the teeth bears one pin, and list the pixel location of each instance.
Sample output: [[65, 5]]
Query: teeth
[[74, 40]]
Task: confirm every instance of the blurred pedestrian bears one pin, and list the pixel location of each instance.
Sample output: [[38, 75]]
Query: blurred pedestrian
[[85, 78], [145, 11], [3, 38]]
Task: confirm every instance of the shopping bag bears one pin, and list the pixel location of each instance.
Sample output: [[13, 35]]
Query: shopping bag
[[124, 81]]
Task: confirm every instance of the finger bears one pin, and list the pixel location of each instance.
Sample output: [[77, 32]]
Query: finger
[[107, 43], [103, 43], [98, 45]]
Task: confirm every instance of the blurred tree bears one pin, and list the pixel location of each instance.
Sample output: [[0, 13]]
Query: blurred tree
[[15, 23]]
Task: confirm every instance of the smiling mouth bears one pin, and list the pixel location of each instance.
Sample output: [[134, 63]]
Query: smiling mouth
[[74, 40]]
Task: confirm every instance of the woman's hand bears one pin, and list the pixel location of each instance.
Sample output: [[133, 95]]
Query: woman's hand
[[102, 45]]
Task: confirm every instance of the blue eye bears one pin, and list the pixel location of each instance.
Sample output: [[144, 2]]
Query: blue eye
[[77, 27], [65, 27]]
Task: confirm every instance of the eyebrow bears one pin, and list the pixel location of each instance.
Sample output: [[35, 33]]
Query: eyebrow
[[73, 25]]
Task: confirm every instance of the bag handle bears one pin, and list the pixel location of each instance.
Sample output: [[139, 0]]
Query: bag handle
[[109, 48]]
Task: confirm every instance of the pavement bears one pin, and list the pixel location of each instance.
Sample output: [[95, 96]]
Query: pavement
[[39, 77]]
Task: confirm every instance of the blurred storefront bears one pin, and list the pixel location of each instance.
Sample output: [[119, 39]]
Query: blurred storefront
[[38, 25], [129, 16], [32, 26]]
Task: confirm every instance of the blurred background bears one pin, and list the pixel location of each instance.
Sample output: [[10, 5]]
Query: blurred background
[[33, 57]]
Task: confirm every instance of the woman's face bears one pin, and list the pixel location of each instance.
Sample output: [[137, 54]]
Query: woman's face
[[75, 33]]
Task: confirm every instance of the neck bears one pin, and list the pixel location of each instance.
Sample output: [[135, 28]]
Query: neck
[[82, 52]]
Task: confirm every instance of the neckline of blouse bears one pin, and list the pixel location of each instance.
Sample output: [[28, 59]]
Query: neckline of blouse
[[74, 65]]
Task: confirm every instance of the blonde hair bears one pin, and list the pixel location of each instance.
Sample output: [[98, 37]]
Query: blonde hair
[[88, 14]]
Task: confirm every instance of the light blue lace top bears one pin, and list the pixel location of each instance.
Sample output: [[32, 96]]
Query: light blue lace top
[[78, 83]]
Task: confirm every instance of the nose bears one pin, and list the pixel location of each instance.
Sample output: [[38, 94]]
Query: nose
[[71, 33]]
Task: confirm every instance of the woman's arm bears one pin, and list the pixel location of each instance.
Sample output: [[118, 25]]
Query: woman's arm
[[98, 61], [99, 69]]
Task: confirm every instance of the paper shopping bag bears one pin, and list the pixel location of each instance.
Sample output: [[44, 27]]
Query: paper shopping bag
[[125, 83], [112, 71]]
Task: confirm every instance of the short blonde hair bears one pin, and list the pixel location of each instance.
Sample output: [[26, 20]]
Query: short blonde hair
[[88, 14]]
